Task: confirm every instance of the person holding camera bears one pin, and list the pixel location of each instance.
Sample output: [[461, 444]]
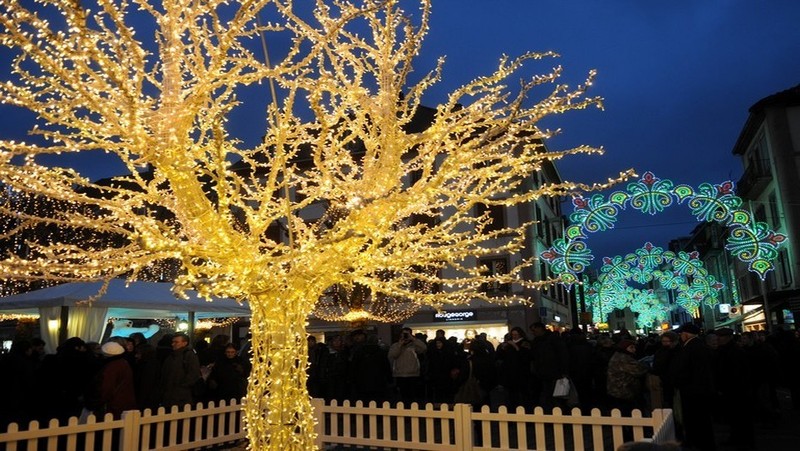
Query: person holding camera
[[403, 355]]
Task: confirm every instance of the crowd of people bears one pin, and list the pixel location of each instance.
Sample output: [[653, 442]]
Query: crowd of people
[[705, 377], [124, 373], [701, 375]]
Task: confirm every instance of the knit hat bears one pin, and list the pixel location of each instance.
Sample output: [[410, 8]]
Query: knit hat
[[624, 344], [111, 349]]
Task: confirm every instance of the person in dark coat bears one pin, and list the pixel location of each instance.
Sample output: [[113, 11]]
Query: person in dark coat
[[317, 352], [662, 359], [369, 371], [64, 379], [625, 378], [228, 378], [514, 360], [179, 374], [113, 389], [334, 370], [17, 372], [692, 373], [550, 362], [603, 350], [443, 370], [145, 377], [581, 367], [733, 382], [214, 352]]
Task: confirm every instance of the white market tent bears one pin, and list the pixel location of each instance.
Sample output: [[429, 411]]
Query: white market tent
[[64, 312]]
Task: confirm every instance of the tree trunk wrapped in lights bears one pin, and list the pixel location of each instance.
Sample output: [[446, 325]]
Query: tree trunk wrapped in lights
[[337, 138]]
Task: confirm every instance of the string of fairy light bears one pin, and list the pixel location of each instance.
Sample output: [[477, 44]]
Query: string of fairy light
[[197, 198]]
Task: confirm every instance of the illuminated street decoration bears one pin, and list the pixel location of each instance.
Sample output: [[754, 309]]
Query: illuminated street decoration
[[157, 100], [752, 242], [682, 272]]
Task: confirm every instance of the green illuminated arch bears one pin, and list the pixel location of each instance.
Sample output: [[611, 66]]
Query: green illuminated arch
[[681, 272], [752, 242]]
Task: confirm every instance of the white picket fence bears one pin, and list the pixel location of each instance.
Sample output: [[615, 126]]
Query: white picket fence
[[444, 427], [176, 430], [458, 428]]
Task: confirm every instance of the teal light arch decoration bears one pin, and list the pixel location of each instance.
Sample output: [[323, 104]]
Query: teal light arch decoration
[[646, 303], [752, 242], [682, 272]]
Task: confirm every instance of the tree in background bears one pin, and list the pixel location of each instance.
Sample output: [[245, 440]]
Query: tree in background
[[152, 82]]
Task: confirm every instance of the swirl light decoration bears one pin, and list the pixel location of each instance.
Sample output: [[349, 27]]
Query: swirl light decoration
[[151, 84], [650, 309], [750, 241], [682, 272]]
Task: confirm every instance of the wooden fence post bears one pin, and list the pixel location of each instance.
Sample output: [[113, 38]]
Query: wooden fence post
[[463, 426], [317, 408], [129, 436]]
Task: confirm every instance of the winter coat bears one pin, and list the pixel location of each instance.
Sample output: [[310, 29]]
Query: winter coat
[[550, 357], [114, 392], [228, 378], [179, 373], [403, 357], [625, 375]]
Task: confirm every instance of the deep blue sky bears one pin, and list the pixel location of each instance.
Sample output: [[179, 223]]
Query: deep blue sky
[[677, 77]]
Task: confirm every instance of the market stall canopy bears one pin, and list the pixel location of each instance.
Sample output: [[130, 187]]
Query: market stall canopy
[[63, 310], [124, 299]]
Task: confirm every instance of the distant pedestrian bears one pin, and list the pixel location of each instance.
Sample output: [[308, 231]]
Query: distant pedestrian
[[145, 377], [694, 381], [113, 389], [733, 383], [228, 378], [180, 373], [368, 369], [625, 378], [514, 357], [662, 359], [550, 362], [404, 357]]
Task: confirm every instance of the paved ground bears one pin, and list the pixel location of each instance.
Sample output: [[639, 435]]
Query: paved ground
[[778, 434]]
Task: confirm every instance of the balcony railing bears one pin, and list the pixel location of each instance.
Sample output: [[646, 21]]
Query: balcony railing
[[756, 176]]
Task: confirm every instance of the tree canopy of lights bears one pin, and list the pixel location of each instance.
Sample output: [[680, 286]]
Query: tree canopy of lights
[[750, 241], [152, 83]]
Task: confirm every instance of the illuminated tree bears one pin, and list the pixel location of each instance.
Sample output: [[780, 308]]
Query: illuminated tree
[[194, 196]]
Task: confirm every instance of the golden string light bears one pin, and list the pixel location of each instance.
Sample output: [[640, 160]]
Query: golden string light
[[338, 143], [17, 317]]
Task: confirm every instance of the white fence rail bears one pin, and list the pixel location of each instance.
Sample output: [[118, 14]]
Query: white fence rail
[[459, 428], [455, 428], [176, 430]]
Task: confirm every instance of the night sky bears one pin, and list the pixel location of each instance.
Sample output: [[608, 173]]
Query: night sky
[[677, 77]]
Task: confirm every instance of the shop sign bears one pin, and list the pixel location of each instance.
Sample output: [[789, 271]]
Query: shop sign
[[454, 315]]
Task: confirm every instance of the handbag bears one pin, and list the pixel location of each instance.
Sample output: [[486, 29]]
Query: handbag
[[470, 392], [561, 389]]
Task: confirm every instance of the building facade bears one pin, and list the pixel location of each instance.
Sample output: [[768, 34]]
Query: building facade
[[769, 147]]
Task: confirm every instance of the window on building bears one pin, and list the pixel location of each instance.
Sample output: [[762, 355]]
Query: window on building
[[539, 221], [774, 214], [758, 156], [494, 266], [760, 212], [497, 216], [784, 269], [543, 275]]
